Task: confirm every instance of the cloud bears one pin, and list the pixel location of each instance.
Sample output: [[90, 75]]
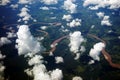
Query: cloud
[[11, 35], [43, 27], [100, 14], [76, 39], [26, 43], [59, 59], [77, 78], [14, 6], [24, 1], [91, 62], [106, 21], [67, 17], [4, 40], [40, 73], [93, 26], [95, 51], [2, 56], [70, 6], [96, 4], [4, 2], [56, 74], [118, 37], [24, 14], [75, 22], [37, 59], [44, 8], [49, 2], [2, 67]]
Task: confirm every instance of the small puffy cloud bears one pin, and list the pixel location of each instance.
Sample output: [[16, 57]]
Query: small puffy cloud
[[14, 6], [28, 72], [43, 27], [67, 17], [2, 56], [24, 1], [75, 41], [56, 74], [59, 59], [70, 6], [100, 14], [49, 2], [118, 37], [95, 51], [24, 14], [93, 7], [91, 62], [2, 67], [77, 78], [96, 4], [26, 43], [92, 26], [106, 21], [44, 8], [4, 40], [11, 35], [37, 59], [75, 23], [4, 2], [40, 73], [52, 17]]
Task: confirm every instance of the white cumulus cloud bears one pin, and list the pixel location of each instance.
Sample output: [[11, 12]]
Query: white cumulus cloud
[[106, 21], [4, 2], [14, 6], [49, 2], [2, 67], [96, 4], [76, 39], [59, 59], [70, 6], [44, 8], [67, 17], [24, 1], [26, 43], [37, 59], [40, 73], [100, 14], [4, 40], [24, 14], [2, 56], [11, 35], [95, 51], [75, 23]]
